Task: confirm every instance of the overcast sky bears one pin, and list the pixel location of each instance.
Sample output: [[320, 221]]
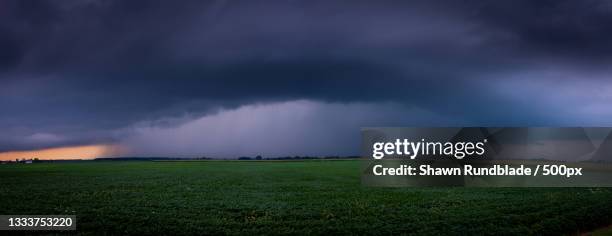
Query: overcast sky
[[231, 78]]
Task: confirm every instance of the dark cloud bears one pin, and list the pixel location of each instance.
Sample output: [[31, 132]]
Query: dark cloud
[[76, 72], [576, 29]]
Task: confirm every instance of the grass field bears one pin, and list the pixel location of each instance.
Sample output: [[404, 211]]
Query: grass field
[[270, 197]]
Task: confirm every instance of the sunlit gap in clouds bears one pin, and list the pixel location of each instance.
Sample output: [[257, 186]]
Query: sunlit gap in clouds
[[66, 153]]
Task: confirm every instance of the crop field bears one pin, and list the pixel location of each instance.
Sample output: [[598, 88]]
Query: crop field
[[283, 197]]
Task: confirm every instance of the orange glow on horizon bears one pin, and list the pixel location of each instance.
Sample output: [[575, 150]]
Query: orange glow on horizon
[[65, 153]]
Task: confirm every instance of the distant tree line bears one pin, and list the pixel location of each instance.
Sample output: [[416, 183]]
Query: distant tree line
[[150, 158], [23, 160], [246, 158], [243, 158]]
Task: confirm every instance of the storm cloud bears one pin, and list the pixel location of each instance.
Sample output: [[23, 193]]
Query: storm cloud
[[89, 72]]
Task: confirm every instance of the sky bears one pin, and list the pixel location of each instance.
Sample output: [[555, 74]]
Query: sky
[[102, 78]]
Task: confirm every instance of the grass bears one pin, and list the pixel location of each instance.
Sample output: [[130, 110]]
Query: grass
[[268, 197], [607, 231]]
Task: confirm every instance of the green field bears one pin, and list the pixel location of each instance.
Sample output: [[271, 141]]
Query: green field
[[274, 197]]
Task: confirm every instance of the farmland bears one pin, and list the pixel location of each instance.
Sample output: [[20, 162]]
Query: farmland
[[283, 197]]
